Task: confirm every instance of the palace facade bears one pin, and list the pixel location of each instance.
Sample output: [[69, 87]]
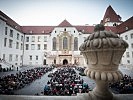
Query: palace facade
[[41, 45]]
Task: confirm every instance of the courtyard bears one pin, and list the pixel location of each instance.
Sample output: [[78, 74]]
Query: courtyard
[[37, 87]]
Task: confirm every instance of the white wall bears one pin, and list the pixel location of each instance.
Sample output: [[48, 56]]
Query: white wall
[[6, 50], [125, 59], [35, 52], [2, 24]]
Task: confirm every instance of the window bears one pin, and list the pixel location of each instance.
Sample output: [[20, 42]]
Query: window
[[32, 46], [27, 39], [33, 39], [132, 45], [10, 57], [21, 38], [27, 46], [4, 56], [38, 46], [39, 38], [64, 29], [45, 38], [17, 36], [6, 29], [132, 36], [30, 57], [5, 41], [11, 33], [127, 54], [21, 46], [114, 24], [54, 43], [30, 63], [45, 46], [107, 19], [54, 61], [74, 31], [16, 58], [126, 37], [10, 43], [17, 45], [21, 58], [75, 44], [132, 54], [36, 57], [128, 61], [55, 31], [65, 43]]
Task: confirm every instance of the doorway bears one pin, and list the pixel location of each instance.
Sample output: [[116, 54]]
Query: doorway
[[54, 61], [44, 62], [65, 62]]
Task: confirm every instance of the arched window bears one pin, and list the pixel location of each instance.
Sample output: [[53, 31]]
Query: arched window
[[65, 43], [75, 44], [54, 43]]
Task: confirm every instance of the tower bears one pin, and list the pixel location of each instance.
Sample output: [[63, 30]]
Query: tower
[[111, 18]]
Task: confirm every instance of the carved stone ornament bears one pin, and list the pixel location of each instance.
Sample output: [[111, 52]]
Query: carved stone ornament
[[103, 51]]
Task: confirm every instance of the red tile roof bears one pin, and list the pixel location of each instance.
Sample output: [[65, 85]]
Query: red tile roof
[[111, 14], [85, 29], [48, 29], [90, 29], [37, 29], [65, 23], [125, 26], [9, 21]]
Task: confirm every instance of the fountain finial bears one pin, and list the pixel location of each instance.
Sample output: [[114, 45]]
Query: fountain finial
[[99, 27]]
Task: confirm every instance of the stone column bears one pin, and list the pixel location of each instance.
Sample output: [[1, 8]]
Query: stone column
[[103, 51]]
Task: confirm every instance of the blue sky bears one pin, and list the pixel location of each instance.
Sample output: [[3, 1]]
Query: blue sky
[[53, 12]]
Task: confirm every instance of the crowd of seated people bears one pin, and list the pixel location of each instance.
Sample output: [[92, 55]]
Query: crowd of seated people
[[124, 86], [19, 80], [65, 82], [5, 69], [81, 71]]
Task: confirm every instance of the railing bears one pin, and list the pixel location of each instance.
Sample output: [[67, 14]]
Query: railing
[[83, 96]]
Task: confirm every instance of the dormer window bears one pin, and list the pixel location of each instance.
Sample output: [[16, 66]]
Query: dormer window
[[16, 27], [107, 19], [126, 28], [64, 29], [30, 31], [114, 24], [42, 31]]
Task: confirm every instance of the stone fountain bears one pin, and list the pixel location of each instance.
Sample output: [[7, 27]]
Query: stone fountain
[[103, 51]]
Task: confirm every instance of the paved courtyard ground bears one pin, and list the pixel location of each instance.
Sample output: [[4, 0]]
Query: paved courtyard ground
[[38, 85]]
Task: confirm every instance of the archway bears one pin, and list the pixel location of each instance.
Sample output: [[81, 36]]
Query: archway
[[65, 62]]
